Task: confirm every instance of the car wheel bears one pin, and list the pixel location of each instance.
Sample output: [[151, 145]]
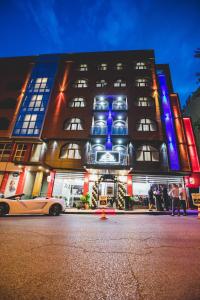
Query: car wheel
[[55, 210], [4, 209]]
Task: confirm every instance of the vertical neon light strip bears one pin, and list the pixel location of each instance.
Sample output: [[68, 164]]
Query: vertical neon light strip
[[169, 125], [191, 145], [109, 128]]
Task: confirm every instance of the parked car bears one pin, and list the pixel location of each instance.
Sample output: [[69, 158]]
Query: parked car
[[44, 205]]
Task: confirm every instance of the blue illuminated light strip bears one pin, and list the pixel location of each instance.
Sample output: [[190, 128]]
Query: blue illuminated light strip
[[169, 125], [31, 115], [109, 127]]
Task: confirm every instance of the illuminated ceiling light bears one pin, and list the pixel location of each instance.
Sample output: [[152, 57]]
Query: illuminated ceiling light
[[101, 98], [119, 141], [40, 168], [20, 166], [100, 117], [47, 170], [119, 98], [119, 117]]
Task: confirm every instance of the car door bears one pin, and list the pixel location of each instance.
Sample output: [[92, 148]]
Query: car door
[[30, 206]]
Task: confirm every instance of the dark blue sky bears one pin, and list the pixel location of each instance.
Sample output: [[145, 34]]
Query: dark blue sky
[[171, 27]]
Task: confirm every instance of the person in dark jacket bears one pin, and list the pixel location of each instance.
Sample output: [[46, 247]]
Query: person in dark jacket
[[166, 198]]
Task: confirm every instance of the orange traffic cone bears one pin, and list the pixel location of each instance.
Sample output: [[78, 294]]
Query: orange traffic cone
[[103, 215]]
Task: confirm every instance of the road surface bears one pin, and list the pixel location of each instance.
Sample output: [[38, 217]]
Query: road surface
[[82, 257]]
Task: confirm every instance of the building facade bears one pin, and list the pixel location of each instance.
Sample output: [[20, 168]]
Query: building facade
[[104, 123]]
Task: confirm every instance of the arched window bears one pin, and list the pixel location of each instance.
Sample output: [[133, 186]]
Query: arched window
[[146, 125], [73, 124], [120, 148], [77, 102], [147, 153], [80, 83], [8, 103], [4, 123], [119, 66], [101, 83], [102, 67], [100, 103], [140, 66], [144, 101], [142, 82], [119, 104], [70, 151], [98, 147], [120, 83]]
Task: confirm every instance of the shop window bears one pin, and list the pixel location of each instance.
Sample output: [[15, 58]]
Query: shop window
[[70, 151], [80, 83], [144, 101], [77, 102], [102, 67], [142, 82], [83, 67], [147, 153], [20, 152], [119, 66], [5, 151], [4, 123], [120, 83], [146, 125], [8, 103], [73, 124], [140, 66], [101, 83]]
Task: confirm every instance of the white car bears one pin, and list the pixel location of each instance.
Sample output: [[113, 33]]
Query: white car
[[48, 206]]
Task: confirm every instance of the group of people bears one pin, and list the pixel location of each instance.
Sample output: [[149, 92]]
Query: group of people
[[175, 198]]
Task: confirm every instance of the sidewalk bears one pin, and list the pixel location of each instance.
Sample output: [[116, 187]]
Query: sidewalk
[[122, 212]]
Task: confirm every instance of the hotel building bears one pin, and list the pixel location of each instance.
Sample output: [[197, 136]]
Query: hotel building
[[103, 123]]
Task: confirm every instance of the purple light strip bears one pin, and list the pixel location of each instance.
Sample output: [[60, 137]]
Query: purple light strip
[[169, 125]]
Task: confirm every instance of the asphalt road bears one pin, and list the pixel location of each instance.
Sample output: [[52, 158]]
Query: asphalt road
[[82, 257]]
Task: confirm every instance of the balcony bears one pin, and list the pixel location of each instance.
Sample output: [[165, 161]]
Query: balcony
[[119, 106], [119, 130], [97, 130]]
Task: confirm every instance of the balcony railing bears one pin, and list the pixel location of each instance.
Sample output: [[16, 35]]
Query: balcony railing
[[119, 130], [98, 106], [121, 106], [123, 160], [97, 130]]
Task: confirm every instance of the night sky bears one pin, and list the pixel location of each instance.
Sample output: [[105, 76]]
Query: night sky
[[171, 28]]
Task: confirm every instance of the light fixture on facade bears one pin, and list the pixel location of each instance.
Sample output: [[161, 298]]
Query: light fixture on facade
[[47, 170], [119, 98], [101, 98]]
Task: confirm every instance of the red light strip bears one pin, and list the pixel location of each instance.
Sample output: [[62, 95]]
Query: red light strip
[[191, 145]]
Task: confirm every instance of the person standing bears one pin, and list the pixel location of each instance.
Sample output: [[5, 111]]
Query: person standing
[[158, 199], [165, 198], [174, 194], [151, 199], [183, 198]]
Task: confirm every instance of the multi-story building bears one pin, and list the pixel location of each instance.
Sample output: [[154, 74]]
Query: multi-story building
[[105, 123]]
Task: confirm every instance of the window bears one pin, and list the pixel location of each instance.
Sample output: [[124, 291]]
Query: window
[[5, 151], [83, 67], [4, 123], [77, 102], [102, 67], [146, 125], [144, 101], [36, 103], [29, 124], [101, 104], [73, 124], [98, 147], [119, 104], [147, 153], [142, 82], [80, 83], [70, 151], [119, 66], [120, 148], [35, 152], [38, 85], [140, 66], [120, 83], [101, 83], [20, 152]]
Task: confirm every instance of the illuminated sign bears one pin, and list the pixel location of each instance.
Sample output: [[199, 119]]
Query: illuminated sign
[[107, 157], [196, 199]]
